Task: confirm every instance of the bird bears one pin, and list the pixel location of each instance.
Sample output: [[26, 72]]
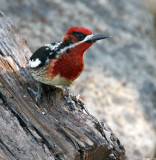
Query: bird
[[60, 63]]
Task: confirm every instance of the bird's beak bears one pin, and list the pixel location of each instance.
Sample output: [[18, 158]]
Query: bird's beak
[[94, 38]]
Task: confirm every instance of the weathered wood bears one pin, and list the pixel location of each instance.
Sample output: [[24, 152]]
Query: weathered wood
[[25, 133]]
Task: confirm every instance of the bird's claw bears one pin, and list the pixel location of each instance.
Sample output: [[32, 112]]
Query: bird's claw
[[38, 97], [36, 94], [70, 101]]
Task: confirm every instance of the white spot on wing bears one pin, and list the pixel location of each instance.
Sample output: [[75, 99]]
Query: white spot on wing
[[52, 47], [34, 63], [47, 61], [50, 53], [58, 55]]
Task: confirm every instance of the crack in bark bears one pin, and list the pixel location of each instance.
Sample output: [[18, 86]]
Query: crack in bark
[[23, 123], [6, 147], [69, 138], [50, 146], [1, 53]]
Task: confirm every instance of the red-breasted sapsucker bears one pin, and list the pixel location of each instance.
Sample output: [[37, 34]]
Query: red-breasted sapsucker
[[60, 63]]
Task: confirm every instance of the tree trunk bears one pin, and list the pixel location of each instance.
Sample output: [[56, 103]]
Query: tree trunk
[[27, 133]]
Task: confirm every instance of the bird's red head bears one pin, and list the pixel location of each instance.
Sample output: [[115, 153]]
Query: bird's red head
[[80, 39], [76, 34]]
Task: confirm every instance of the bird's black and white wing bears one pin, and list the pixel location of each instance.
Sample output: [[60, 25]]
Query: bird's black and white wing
[[42, 56]]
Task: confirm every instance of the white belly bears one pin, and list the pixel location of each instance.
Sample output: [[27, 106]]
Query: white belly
[[39, 75]]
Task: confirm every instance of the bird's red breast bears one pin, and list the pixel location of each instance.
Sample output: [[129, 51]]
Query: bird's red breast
[[68, 67]]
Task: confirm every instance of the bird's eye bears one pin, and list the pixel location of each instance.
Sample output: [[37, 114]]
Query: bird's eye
[[79, 36]]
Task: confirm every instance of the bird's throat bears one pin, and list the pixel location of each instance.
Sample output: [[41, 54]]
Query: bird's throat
[[78, 50]]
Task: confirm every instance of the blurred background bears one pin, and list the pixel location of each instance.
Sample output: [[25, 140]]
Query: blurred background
[[118, 84]]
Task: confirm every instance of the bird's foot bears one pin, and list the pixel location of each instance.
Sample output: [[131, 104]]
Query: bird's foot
[[36, 94], [80, 104], [38, 97], [69, 100], [75, 100]]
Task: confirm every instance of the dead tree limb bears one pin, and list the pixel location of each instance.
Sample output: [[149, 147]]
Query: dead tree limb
[[25, 133]]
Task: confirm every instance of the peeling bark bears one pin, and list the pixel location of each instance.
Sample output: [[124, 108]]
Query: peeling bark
[[25, 133]]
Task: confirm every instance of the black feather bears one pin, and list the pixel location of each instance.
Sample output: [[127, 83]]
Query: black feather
[[43, 54]]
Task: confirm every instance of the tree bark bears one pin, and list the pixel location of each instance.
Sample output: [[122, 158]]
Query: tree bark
[[27, 133]]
